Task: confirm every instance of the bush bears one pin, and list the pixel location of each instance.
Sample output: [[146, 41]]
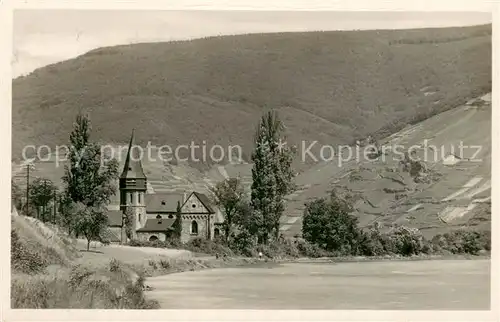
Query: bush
[[114, 265], [374, 243], [82, 288], [202, 245], [134, 296], [165, 264], [463, 242], [329, 224], [329, 227], [147, 243], [485, 240], [309, 250], [288, 248], [244, 243], [23, 259], [405, 241], [152, 263], [279, 250]]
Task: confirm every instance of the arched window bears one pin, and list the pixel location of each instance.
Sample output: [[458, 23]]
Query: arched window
[[139, 195], [216, 232], [153, 238], [194, 228], [130, 197]]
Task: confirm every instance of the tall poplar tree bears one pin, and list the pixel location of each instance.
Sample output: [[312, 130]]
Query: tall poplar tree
[[177, 225], [89, 177], [272, 176], [90, 181]]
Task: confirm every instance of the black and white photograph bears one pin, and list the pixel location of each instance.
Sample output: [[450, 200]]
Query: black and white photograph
[[251, 160]]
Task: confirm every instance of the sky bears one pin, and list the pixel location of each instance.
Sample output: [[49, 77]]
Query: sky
[[43, 37]]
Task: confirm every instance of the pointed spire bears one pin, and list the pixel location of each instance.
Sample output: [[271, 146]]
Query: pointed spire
[[133, 166]]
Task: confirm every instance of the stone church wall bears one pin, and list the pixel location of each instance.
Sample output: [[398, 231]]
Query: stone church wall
[[187, 220], [145, 236]]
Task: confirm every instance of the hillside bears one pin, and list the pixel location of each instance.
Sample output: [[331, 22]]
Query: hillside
[[452, 191], [327, 86], [36, 245]]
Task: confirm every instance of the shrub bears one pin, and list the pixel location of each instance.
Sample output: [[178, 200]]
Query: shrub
[[165, 264], [134, 296], [114, 265], [405, 241], [374, 243], [78, 275], [23, 259], [279, 250], [485, 240], [288, 248], [82, 288], [462, 241], [152, 263], [147, 243], [328, 224], [202, 245], [244, 243], [309, 250]]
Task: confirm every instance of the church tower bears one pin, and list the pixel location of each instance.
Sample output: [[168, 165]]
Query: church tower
[[133, 186]]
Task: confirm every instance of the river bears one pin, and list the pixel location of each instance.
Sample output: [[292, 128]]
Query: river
[[386, 285]]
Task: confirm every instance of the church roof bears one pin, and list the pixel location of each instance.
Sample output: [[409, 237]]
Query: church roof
[[156, 225], [163, 202], [110, 235], [205, 201], [114, 218], [133, 166]]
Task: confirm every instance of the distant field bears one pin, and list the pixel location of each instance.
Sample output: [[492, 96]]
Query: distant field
[[328, 86]]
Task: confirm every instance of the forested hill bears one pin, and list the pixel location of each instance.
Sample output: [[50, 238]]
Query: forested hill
[[328, 86]]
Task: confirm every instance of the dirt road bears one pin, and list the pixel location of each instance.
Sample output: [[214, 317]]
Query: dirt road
[[415, 285]]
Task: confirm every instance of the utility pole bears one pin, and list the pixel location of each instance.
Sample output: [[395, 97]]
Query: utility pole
[[45, 201], [55, 205], [28, 189], [29, 166]]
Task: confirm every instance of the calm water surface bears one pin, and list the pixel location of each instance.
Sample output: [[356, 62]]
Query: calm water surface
[[412, 285]]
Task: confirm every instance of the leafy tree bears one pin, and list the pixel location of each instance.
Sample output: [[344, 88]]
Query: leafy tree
[[41, 194], [177, 226], [272, 175], [66, 213], [244, 218], [328, 224], [263, 195], [228, 195], [376, 243], [244, 243], [90, 222], [90, 181]]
